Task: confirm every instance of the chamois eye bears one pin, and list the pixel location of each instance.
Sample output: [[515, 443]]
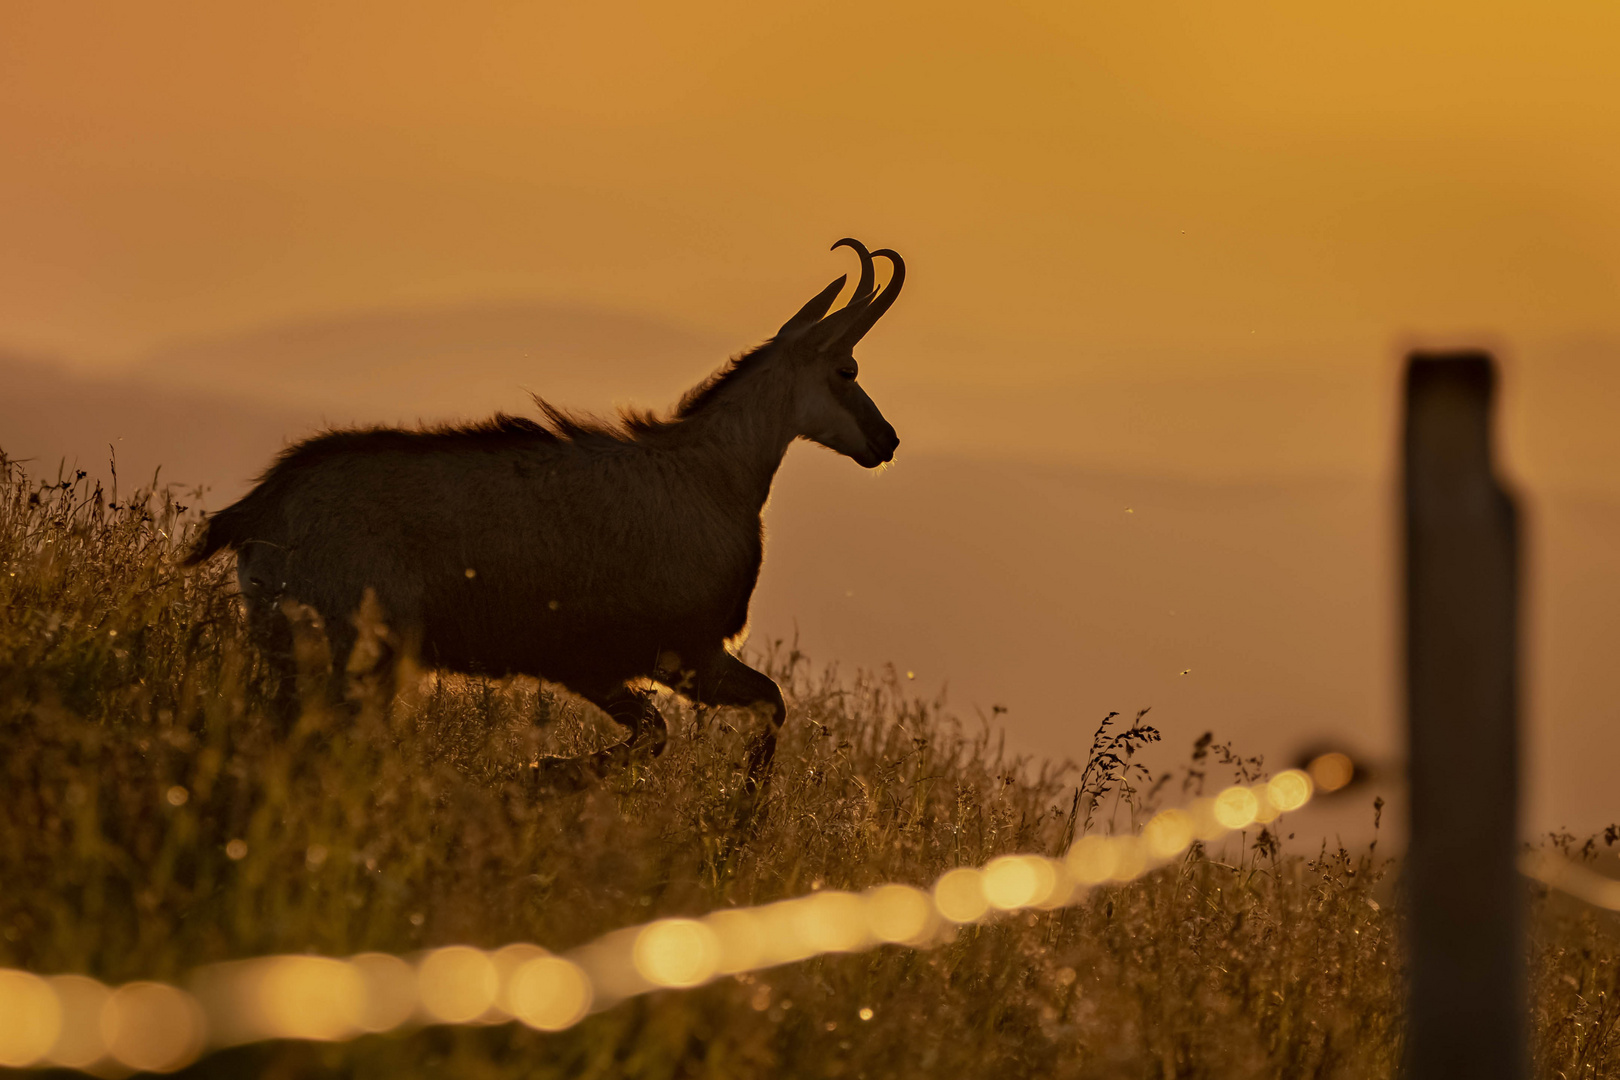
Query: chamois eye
[[848, 372]]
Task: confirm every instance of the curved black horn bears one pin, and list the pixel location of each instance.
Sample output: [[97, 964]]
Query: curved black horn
[[880, 303], [868, 282]]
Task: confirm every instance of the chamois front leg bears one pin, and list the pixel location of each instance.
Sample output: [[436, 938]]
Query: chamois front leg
[[725, 680], [632, 709], [635, 711]]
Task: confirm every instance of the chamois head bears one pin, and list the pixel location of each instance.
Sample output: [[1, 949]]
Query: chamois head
[[816, 351]]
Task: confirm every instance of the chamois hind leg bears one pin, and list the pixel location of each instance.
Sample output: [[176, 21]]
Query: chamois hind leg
[[294, 648], [631, 709], [725, 680], [273, 635]]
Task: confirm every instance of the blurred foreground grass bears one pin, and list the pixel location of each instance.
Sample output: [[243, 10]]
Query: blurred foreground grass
[[150, 821]]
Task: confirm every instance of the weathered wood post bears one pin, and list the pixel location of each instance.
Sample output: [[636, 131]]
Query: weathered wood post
[[1466, 1011]]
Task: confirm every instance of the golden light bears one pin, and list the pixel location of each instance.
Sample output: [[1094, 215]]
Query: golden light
[[1268, 812], [1289, 790], [549, 993], [309, 997], [1132, 858], [151, 1027], [1236, 808], [1168, 834], [77, 1022], [1017, 881], [899, 914], [676, 952], [832, 921], [78, 1042], [1331, 771], [507, 959], [390, 991], [959, 895], [741, 938], [1205, 824], [1063, 886], [782, 940], [456, 984], [1092, 859], [30, 1018]]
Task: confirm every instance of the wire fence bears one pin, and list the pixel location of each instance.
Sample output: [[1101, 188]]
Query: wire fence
[[75, 1022]]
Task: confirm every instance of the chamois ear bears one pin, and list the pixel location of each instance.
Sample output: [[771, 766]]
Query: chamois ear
[[812, 312]]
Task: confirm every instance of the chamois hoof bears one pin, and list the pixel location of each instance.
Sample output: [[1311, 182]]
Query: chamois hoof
[[652, 736], [563, 775], [559, 776]]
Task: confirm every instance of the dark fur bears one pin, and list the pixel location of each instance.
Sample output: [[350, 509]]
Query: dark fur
[[543, 515], [600, 554]]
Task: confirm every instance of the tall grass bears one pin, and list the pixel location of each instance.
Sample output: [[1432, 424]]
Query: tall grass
[[151, 820]]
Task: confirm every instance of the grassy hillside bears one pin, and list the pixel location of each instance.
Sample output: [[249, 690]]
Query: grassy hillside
[[150, 821]]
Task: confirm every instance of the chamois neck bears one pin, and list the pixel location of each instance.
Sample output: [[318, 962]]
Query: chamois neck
[[742, 433]]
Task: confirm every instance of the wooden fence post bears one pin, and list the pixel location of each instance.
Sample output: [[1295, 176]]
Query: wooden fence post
[[1466, 1010]]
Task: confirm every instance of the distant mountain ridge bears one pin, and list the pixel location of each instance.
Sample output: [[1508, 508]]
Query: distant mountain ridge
[[449, 361], [50, 418]]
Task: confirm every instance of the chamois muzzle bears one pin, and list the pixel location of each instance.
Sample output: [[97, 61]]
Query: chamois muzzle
[[883, 445]]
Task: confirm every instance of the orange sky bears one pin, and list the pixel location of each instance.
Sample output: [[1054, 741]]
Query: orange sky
[[1087, 193]]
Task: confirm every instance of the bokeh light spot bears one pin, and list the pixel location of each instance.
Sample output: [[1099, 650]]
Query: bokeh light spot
[[1331, 771], [507, 960], [390, 991], [456, 984], [1092, 859], [78, 1042], [1016, 881], [549, 993], [310, 997], [676, 952], [1168, 833], [781, 936], [1289, 790], [1206, 825], [741, 939], [832, 921], [959, 895], [151, 1027], [30, 1018], [1132, 858], [1236, 807], [899, 914]]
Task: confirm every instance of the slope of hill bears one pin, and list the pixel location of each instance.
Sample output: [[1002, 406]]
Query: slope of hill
[[156, 821], [1261, 611]]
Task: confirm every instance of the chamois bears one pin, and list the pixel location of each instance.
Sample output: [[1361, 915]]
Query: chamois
[[598, 555]]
